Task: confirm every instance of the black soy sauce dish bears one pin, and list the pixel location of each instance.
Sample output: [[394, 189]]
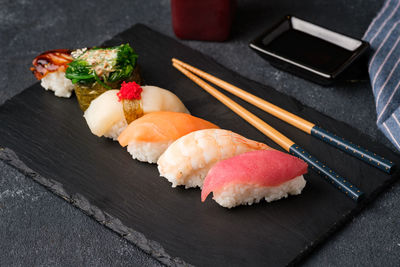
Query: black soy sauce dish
[[311, 51]]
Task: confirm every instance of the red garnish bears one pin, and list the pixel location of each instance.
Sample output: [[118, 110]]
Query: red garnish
[[130, 90], [51, 61]]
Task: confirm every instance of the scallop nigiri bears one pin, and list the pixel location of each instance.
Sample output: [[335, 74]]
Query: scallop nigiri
[[149, 136], [252, 176], [187, 160], [110, 113]]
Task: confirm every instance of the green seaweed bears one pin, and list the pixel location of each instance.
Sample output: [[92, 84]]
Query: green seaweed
[[80, 71]]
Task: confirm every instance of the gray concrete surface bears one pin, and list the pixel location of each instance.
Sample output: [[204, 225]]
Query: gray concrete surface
[[38, 228]]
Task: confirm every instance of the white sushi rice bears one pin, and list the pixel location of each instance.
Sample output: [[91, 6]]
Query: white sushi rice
[[147, 151], [195, 179], [116, 130], [246, 194], [57, 82]]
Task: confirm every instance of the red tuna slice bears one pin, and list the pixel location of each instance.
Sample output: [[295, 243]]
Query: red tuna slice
[[261, 168]]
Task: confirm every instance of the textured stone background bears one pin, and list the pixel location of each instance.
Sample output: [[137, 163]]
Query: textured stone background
[[38, 228]]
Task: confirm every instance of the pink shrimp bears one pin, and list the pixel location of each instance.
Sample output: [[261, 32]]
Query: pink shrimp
[[188, 159]]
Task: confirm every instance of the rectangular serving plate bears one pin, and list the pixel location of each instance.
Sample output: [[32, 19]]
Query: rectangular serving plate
[[310, 51]]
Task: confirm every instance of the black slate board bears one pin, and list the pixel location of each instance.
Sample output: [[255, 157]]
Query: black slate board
[[49, 135]]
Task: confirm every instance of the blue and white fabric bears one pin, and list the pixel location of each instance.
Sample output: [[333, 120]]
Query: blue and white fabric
[[383, 35]]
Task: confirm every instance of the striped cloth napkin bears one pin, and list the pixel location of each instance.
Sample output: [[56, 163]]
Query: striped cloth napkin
[[384, 68]]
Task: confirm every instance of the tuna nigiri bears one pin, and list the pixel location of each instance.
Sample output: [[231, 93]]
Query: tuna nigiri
[[110, 113], [252, 176], [187, 160], [149, 136]]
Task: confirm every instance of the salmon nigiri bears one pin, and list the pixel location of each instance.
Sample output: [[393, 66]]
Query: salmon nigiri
[[252, 176], [149, 136], [187, 161]]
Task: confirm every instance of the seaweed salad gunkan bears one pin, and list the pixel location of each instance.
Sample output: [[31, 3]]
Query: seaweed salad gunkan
[[96, 70]]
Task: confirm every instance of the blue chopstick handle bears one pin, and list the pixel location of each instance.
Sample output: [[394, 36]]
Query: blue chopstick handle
[[352, 149], [338, 181]]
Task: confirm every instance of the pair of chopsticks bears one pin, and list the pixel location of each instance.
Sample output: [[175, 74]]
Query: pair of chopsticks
[[287, 144]]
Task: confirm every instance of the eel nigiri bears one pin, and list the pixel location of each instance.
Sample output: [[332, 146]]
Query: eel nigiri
[[149, 136], [110, 113], [188, 160], [252, 176], [49, 67]]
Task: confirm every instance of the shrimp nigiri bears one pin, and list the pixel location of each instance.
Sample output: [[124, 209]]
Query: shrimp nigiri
[[149, 136], [110, 113], [252, 176], [187, 160]]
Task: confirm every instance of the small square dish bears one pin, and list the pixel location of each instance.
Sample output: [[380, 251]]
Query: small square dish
[[308, 50]]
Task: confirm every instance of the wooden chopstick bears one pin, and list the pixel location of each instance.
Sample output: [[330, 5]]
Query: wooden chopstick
[[302, 124], [321, 168]]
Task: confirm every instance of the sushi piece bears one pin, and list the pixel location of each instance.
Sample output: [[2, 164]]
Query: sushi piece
[[105, 115], [49, 67], [149, 136], [96, 70], [110, 113], [158, 99], [188, 160], [252, 176]]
